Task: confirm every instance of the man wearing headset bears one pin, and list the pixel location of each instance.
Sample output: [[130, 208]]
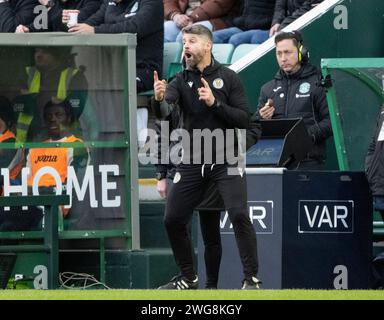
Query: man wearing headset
[[296, 92]]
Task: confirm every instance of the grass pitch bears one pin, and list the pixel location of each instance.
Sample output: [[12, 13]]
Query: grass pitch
[[115, 294]]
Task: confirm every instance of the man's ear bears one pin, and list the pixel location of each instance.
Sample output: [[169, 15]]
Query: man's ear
[[209, 45]]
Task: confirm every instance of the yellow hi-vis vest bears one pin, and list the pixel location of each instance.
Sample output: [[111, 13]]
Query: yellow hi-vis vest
[[34, 82]]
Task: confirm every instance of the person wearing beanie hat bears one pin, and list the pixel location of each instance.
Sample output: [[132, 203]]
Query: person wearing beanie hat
[[53, 76]]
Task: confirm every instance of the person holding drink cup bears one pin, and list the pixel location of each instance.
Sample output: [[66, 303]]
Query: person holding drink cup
[[62, 14]]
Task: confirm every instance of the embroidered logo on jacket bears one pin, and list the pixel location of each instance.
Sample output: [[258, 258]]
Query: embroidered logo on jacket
[[305, 87], [218, 83]]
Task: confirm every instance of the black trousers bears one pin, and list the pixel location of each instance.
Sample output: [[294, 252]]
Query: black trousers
[[187, 193], [210, 231]]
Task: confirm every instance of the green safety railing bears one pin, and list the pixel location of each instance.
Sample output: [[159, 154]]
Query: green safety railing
[[353, 67], [356, 69], [129, 230], [50, 233]]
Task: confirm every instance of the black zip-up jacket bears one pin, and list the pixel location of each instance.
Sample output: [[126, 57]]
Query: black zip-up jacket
[[143, 17], [286, 11], [301, 96], [168, 169], [15, 12], [374, 161], [86, 7], [256, 14], [230, 109]]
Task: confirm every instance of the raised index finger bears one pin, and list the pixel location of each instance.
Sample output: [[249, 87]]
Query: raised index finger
[[155, 76], [205, 83]]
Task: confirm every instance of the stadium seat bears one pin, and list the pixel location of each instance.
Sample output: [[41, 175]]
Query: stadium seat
[[174, 68], [241, 50], [223, 52], [172, 54]]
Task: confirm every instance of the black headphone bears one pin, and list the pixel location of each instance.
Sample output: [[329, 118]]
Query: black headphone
[[302, 50]]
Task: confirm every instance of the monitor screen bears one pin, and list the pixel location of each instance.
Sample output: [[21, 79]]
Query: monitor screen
[[266, 152]]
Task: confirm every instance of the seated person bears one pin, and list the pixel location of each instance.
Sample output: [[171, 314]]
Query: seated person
[[213, 14], [7, 121], [58, 14], [13, 219], [145, 19], [287, 11], [58, 119], [15, 12], [53, 75], [252, 26]]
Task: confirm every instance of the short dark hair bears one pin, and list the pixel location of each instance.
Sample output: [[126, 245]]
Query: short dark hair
[[65, 104], [198, 29], [293, 35], [6, 111]]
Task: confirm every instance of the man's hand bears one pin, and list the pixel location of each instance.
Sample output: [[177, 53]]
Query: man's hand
[[205, 94], [44, 2], [65, 17], [181, 20], [267, 111], [22, 29], [274, 29], [82, 28], [159, 87], [162, 187]]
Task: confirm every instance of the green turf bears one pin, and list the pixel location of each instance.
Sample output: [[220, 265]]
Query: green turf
[[192, 295]]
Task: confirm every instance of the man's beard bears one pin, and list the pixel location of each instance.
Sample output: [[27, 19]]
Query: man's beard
[[195, 60]]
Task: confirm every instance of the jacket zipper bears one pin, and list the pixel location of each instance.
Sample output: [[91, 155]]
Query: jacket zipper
[[287, 98]]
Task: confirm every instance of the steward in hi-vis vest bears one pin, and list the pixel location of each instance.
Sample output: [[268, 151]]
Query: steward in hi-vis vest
[[52, 77]]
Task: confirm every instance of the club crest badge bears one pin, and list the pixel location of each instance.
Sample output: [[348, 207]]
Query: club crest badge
[[304, 88], [177, 177], [218, 83]]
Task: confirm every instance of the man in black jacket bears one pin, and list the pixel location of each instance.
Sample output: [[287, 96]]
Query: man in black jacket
[[57, 15], [212, 205], [145, 19], [208, 97], [287, 11], [295, 92], [374, 164], [15, 12]]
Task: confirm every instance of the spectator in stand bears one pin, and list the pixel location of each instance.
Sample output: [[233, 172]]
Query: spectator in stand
[[16, 12], [145, 18], [252, 26], [58, 14], [286, 11], [213, 14]]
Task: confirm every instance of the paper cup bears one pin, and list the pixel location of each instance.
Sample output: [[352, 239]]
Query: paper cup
[[73, 14]]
